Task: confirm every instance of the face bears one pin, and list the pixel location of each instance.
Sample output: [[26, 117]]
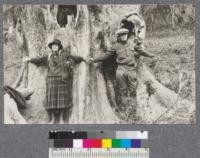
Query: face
[[123, 37], [54, 47], [139, 28], [139, 34]]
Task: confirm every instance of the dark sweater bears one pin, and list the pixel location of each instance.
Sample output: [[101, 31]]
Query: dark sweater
[[57, 64]]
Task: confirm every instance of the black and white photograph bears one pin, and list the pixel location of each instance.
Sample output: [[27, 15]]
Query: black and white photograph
[[99, 64]]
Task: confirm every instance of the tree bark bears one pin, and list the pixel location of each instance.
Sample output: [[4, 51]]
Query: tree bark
[[35, 36], [90, 102]]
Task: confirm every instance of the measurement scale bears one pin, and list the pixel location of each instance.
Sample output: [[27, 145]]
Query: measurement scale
[[98, 153]]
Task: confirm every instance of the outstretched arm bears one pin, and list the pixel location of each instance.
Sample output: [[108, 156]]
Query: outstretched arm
[[65, 54], [104, 56], [39, 61], [141, 51], [77, 59]]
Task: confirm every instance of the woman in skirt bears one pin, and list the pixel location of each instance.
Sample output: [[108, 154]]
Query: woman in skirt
[[59, 78]]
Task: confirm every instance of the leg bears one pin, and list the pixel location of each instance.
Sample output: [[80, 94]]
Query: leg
[[132, 83], [61, 117], [132, 88], [64, 100], [51, 116], [121, 81], [67, 113], [121, 85], [56, 115], [110, 89]]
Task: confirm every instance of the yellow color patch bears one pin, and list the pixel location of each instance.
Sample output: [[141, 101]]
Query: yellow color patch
[[106, 143]]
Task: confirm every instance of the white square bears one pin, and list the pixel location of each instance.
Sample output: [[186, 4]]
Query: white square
[[142, 135], [77, 143]]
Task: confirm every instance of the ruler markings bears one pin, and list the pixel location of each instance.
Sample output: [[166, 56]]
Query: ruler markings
[[99, 153]]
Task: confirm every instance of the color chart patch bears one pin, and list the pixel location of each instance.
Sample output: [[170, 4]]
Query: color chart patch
[[97, 143], [93, 144]]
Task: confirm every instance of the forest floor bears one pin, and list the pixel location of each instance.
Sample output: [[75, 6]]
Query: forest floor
[[176, 54]]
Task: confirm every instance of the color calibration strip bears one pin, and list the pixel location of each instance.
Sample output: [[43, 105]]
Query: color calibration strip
[[103, 139], [97, 143]]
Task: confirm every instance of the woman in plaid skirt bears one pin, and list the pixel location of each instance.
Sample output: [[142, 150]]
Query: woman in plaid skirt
[[59, 78]]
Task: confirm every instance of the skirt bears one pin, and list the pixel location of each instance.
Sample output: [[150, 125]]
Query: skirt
[[58, 93]]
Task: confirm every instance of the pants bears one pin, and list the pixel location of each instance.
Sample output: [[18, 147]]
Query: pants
[[126, 80]]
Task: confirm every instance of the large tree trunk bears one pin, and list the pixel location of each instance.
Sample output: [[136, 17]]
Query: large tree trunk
[[90, 102], [35, 36]]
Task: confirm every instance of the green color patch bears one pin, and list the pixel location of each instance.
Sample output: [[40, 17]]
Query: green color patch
[[116, 143]]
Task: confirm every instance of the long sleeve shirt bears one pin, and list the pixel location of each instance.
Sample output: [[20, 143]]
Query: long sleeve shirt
[[58, 64], [126, 55]]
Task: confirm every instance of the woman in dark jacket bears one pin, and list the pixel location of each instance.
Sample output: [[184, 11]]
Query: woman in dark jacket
[[59, 77]]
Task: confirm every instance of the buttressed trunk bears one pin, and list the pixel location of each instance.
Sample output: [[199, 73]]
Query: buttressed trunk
[[89, 92], [89, 96], [90, 102], [35, 37]]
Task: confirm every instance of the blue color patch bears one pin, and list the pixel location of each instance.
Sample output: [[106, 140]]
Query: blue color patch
[[125, 143]]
